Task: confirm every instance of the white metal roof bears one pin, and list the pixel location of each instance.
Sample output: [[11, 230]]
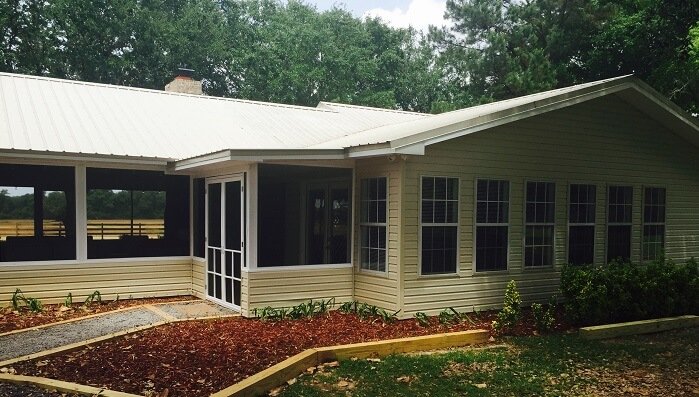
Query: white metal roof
[[43, 115], [52, 115]]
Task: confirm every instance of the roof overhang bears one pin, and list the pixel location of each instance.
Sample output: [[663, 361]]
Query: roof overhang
[[44, 157], [255, 155]]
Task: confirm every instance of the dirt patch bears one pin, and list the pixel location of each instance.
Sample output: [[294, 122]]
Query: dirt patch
[[11, 320], [200, 357]]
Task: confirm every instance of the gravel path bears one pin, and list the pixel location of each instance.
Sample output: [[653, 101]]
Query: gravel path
[[15, 390], [34, 341], [194, 309]]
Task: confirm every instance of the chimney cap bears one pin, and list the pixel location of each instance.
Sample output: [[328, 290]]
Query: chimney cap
[[184, 72]]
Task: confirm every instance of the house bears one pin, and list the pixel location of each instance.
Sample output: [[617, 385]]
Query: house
[[140, 193]]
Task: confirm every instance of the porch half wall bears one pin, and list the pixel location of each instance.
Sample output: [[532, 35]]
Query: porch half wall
[[143, 278]]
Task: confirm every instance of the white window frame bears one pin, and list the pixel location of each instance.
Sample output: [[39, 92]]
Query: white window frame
[[573, 224], [644, 223], [608, 223], [476, 224], [526, 224], [371, 224], [456, 224]]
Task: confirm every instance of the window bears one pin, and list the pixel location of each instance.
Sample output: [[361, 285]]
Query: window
[[581, 224], [372, 224], [653, 243], [303, 215], [136, 214], [492, 224], [37, 213], [539, 224], [619, 212], [199, 214], [439, 214]]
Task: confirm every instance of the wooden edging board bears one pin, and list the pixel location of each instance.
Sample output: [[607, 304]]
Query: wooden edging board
[[638, 327], [88, 316], [61, 386], [276, 375]]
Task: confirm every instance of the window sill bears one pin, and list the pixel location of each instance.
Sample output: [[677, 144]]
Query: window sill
[[438, 276], [293, 268], [538, 269], [374, 273], [484, 273]]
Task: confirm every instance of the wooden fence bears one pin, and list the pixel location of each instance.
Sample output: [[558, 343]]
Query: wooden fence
[[98, 229]]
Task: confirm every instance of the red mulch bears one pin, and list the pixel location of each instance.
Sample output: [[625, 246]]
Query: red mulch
[[11, 320], [201, 357]]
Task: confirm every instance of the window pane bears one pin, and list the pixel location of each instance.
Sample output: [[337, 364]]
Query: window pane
[[653, 241], [620, 204], [581, 245], [618, 242], [540, 209], [37, 213], [199, 212], [373, 248], [538, 246], [136, 214], [439, 246], [491, 248], [492, 203]]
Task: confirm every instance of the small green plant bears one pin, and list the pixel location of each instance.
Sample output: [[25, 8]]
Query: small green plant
[[449, 316], [366, 311], [305, 309], [19, 301], [348, 307], [422, 319], [511, 311], [544, 315], [93, 297], [388, 317], [270, 314], [68, 302]]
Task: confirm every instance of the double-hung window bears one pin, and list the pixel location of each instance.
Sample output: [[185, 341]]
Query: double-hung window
[[373, 224], [653, 243], [619, 221], [439, 214], [581, 224], [492, 224], [539, 224]]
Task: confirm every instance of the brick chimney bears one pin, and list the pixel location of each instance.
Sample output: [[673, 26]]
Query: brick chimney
[[184, 83]]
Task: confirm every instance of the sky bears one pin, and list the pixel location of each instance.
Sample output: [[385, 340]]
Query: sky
[[398, 13]]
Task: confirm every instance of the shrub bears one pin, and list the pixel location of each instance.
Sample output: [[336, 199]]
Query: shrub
[[511, 311], [422, 319], [544, 315], [627, 292]]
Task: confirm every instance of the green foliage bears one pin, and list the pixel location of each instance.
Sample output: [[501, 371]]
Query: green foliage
[[449, 316], [422, 319], [625, 292], [544, 315], [93, 297], [366, 311], [511, 311], [302, 310], [68, 302], [19, 301]]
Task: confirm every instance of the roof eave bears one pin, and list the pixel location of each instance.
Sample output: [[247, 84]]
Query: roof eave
[[256, 155]]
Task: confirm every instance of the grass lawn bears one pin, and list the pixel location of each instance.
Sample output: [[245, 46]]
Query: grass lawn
[[652, 365]]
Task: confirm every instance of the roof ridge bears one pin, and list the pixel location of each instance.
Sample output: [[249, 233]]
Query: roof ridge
[[375, 109], [162, 92]]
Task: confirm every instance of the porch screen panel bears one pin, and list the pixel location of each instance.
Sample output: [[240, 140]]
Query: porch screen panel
[[653, 243], [581, 224], [439, 214], [373, 215], [492, 224], [199, 215], [37, 213], [136, 214], [619, 218]]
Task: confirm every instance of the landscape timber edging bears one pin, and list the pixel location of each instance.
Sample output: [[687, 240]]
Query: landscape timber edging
[[62, 386], [278, 374], [638, 327]]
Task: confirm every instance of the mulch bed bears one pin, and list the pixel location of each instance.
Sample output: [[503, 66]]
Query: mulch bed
[[16, 390], [11, 320], [200, 357]]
